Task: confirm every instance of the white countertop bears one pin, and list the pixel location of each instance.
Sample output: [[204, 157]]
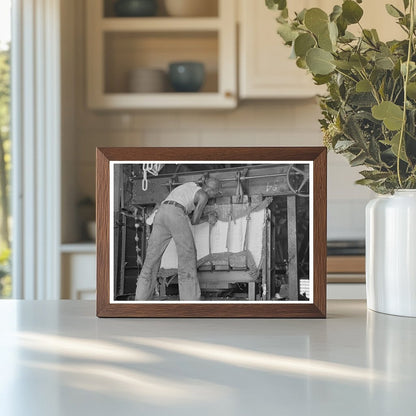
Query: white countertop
[[57, 358]]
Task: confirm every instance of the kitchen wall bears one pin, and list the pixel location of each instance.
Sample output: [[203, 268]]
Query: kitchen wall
[[253, 123]]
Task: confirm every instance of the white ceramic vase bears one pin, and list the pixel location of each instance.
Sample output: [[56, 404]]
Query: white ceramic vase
[[391, 253]]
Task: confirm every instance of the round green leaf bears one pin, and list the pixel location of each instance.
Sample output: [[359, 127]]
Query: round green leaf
[[301, 63], [276, 4], [342, 25], [325, 42], [322, 79], [391, 114], [411, 90], [287, 33], [301, 15], [393, 11], [384, 62], [303, 43], [358, 61], [319, 61], [316, 20], [363, 86], [336, 12], [395, 144], [403, 66], [333, 32], [328, 38], [344, 65], [375, 35], [351, 11]]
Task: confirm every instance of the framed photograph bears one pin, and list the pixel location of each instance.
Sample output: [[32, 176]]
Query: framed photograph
[[211, 232]]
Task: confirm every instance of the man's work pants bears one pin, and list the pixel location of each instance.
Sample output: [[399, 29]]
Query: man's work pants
[[170, 222]]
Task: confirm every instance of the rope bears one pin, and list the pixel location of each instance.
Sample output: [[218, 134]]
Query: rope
[[153, 169], [139, 261]]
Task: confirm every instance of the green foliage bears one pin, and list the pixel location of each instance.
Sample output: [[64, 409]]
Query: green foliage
[[393, 11], [366, 117], [351, 11], [316, 20], [4, 88], [276, 4], [303, 43], [5, 144], [319, 61], [389, 113], [5, 281]]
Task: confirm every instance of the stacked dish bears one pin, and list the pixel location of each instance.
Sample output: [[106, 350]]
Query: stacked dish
[[147, 80]]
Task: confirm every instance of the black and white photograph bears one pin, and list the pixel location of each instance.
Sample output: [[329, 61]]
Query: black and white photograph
[[211, 232]]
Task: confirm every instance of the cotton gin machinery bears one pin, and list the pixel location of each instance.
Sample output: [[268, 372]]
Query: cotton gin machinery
[[257, 250]]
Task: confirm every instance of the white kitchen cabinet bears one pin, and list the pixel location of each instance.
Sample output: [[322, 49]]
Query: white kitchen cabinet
[[118, 45], [265, 70], [78, 264]]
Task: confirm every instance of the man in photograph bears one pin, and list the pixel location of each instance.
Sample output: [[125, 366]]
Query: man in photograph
[[172, 221]]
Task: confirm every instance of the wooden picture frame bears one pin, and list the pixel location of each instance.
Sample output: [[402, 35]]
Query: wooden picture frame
[[281, 159]]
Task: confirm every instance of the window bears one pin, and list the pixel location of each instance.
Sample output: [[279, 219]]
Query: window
[[5, 147]]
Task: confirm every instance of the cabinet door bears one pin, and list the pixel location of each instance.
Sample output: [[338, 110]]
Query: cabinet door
[[78, 276], [266, 71]]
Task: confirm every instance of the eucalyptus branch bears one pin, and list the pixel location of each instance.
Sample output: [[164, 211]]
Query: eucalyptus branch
[[406, 80], [404, 28], [392, 90], [371, 64], [358, 45], [398, 95], [346, 75], [369, 40], [373, 88]]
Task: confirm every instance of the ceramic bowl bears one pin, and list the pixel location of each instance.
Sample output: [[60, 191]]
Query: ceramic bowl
[[135, 8], [186, 76]]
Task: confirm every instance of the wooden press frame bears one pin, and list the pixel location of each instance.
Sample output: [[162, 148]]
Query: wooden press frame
[[259, 309]]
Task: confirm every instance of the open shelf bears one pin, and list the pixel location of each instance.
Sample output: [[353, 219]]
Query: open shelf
[[119, 45], [168, 100], [126, 51]]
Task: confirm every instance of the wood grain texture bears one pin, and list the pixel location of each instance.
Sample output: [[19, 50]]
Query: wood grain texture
[[346, 264], [317, 309], [103, 230], [319, 229]]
